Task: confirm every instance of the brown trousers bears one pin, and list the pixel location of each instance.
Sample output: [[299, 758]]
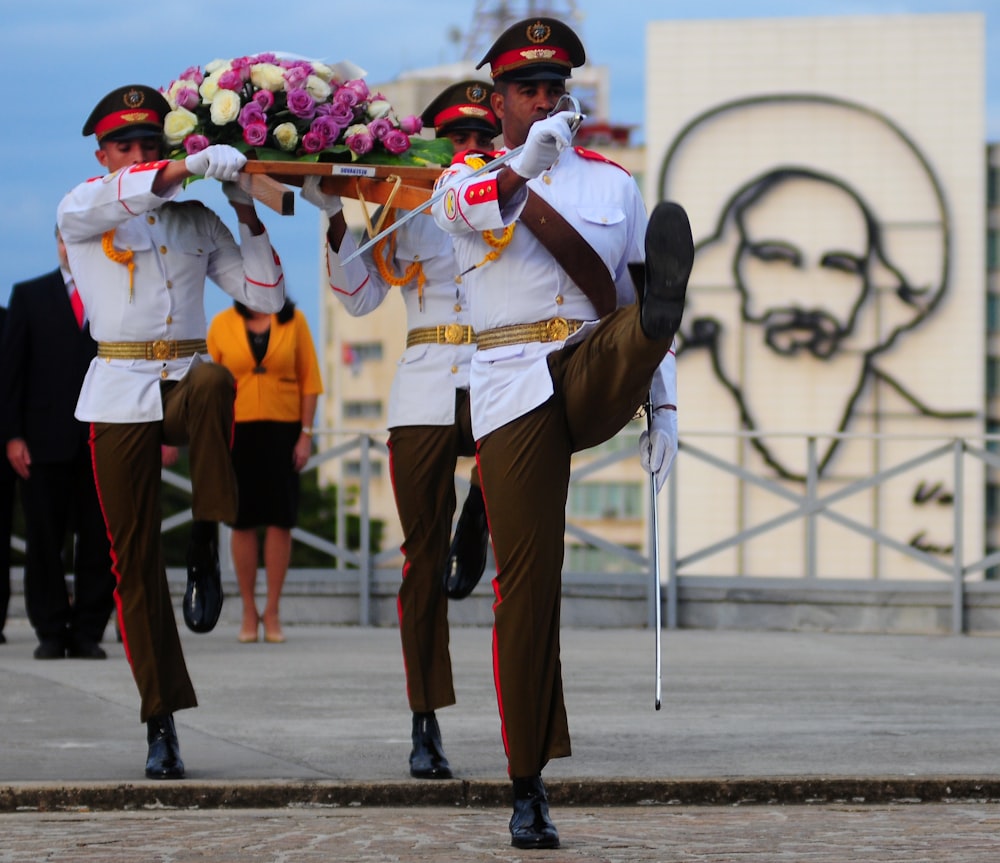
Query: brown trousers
[[525, 466], [422, 464], [198, 412]]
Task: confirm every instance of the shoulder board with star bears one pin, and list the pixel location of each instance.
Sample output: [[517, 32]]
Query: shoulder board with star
[[594, 156]]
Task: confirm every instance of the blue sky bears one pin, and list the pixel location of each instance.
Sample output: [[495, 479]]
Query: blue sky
[[65, 55]]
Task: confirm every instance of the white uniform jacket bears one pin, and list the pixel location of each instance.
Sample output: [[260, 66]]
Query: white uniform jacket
[[175, 246], [427, 375], [526, 284]]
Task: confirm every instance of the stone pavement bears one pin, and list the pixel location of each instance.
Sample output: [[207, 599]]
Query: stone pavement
[[298, 751]]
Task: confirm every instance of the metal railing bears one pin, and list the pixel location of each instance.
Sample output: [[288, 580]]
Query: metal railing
[[809, 503]]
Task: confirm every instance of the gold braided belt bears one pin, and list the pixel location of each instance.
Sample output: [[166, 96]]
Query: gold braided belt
[[552, 330], [442, 334], [161, 349]]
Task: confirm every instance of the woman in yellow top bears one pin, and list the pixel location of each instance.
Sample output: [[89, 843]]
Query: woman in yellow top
[[273, 359]]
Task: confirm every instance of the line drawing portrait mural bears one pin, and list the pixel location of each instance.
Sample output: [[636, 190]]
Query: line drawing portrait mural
[[822, 241]]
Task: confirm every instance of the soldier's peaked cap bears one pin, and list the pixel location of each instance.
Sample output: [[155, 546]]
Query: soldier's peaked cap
[[535, 49], [462, 107], [133, 111]]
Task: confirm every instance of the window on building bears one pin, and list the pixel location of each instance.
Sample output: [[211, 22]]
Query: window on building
[[367, 410], [605, 500], [993, 186], [993, 427], [992, 376], [993, 313], [992, 250]]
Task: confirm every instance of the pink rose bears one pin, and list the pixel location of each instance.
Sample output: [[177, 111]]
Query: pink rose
[[396, 141], [328, 130], [312, 142], [346, 98], [358, 87], [241, 65], [192, 73], [360, 143], [411, 125], [187, 97], [255, 134], [301, 103], [342, 114], [296, 75], [251, 112], [195, 144], [230, 80], [380, 128], [264, 98]]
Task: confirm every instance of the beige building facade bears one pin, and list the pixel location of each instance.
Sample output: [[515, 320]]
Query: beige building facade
[[833, 170]]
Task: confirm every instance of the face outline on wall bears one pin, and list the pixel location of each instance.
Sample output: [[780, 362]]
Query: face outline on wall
[[809, 241], [808, 261]]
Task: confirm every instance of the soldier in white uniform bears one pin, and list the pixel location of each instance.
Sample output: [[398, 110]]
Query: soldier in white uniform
[[140, 261], [565, 358], [428, 417]]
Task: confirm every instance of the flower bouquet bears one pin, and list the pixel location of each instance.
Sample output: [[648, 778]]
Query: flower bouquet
[[277, 107]]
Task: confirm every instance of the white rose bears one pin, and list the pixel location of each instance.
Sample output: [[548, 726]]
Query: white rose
[[321, 70], [378, 109], [210, 86], [318, 88], [356, 129], [217, 66], [267, 76], [178, 124], [287, 136], [225, 107]]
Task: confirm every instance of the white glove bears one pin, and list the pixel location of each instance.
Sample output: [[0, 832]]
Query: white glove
[[235, 193], [219, 162], [329, 204], [658, 446], [546, 140]]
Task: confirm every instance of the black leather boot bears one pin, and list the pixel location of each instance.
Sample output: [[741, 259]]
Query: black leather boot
[[427, 759], [530, 825], [164, 758], [661, 283], [467, 555], [203, 595]]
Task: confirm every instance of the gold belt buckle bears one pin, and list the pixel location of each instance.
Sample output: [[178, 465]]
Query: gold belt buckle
[[453, 334], [556, 330], [161, 349]]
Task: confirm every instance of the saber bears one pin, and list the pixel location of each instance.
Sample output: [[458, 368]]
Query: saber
[[574, 124], [654, 551]]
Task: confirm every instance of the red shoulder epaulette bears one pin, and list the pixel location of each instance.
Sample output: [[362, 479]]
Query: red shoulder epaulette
[[597, 157], [149, 166]]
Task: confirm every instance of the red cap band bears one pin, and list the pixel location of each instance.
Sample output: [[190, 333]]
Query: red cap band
[[462, 112], [129, 117], [527, 56]]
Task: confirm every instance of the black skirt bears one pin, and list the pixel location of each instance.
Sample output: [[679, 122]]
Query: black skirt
[[268, 484]]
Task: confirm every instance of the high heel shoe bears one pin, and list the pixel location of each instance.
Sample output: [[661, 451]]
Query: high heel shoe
[[248, 636], [273, 635]]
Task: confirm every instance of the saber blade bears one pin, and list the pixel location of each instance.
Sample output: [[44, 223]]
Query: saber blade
[[654, 553]]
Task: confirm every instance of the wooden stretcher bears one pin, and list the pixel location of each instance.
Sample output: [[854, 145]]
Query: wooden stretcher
[[393, 186]]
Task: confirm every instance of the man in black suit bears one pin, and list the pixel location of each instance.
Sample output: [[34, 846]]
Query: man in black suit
[[44, 355], [8, 480]]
